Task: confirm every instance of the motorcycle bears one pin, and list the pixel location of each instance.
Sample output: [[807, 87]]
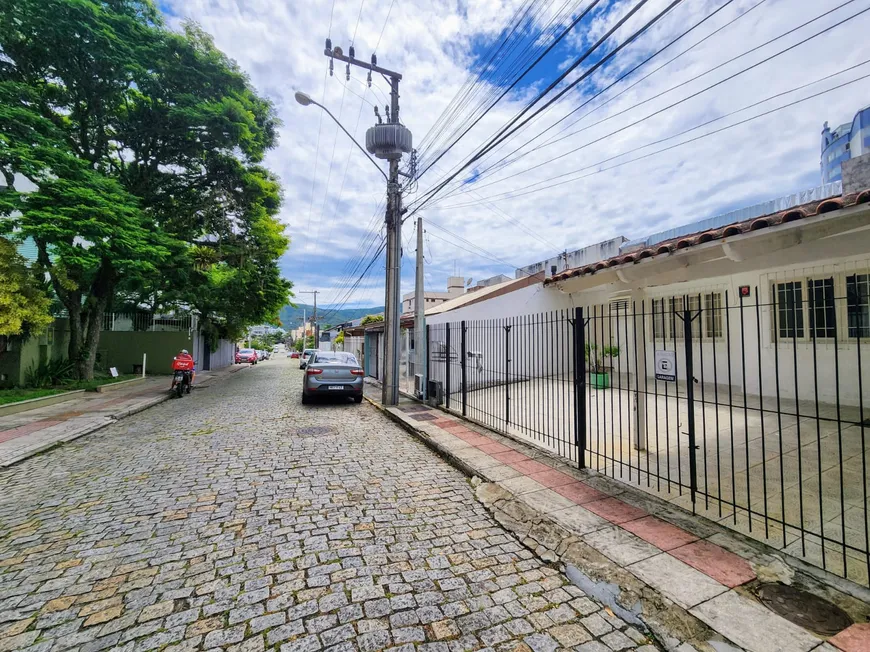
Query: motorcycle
[[182, 378]]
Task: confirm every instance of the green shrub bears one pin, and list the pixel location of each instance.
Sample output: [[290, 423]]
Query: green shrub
[[50, 374]]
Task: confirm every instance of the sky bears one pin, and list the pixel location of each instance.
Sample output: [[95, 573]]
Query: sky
[[491, 221]]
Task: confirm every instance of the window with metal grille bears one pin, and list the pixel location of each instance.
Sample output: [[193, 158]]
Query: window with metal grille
[[668, 312], [789, 309], [858, 305], [822, 312]]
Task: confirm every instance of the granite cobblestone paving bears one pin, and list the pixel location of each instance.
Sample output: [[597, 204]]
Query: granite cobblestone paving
[[236, 519]]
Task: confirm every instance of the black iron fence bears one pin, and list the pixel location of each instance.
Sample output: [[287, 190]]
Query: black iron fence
[[749, 412]]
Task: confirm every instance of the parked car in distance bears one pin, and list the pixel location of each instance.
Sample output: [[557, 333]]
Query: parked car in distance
[[267, 354], [246, 356], [304, 359], [332, 374]]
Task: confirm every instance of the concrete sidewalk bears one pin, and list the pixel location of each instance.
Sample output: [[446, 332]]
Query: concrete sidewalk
[[679, 574], [28, 433]]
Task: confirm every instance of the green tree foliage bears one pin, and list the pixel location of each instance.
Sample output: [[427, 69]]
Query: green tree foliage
[[24, 304], [371, 319], [339, 339], [145, 147]]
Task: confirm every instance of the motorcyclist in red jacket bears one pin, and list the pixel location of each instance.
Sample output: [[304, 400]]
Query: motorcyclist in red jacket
[[184, 355]]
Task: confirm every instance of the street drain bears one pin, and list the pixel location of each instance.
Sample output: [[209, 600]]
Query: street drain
[[805, 609], [315, 431]]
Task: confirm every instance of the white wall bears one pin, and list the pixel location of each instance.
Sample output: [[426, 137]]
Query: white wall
[[755, 364]]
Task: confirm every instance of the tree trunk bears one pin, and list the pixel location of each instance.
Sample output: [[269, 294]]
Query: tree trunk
[[101, 293]]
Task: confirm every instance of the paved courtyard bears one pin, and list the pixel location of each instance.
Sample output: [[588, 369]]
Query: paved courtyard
[[237, 519]]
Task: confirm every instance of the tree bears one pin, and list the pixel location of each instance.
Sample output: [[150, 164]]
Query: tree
[[339, 339], [371, 319], [24, 304], [144, 146]]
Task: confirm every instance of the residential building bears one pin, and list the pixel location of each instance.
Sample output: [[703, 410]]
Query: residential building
[[455, 287], [849, 140], [721, 366]]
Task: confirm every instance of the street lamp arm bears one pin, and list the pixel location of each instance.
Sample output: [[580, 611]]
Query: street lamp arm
[[335, 120]]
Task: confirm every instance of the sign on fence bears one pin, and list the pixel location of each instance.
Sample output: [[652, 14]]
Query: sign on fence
[[666, 365]]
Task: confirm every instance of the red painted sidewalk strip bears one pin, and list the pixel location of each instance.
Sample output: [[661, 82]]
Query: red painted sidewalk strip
[[659, 533], [511, 457], [853, 639], [723, 566], [580, 493], [614, 510], [551, 478], [20, 431], [528, 467]]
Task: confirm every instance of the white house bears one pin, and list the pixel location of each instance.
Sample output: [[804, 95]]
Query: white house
[[755, 415]]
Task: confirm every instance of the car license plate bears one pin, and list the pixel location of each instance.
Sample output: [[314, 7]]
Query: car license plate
[[336, 387]]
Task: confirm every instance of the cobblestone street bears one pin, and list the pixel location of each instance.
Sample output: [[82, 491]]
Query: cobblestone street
[[237, 519]]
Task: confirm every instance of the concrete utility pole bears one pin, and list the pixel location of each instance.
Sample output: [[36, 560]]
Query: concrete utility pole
[[316, 329], [420, 342], [386, 141]]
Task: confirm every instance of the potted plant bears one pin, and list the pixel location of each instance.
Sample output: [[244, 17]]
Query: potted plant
[[599, 374]]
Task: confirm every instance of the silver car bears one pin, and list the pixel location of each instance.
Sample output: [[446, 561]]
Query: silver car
[[303, 359], [332, 374]]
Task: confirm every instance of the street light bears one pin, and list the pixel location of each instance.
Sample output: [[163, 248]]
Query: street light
[[306, 100]]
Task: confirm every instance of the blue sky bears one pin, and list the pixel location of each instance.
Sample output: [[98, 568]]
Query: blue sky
[[332, 193]]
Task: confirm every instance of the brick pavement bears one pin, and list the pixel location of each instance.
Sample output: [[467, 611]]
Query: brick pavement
[[241, 520], [699, 570], [28, 433]]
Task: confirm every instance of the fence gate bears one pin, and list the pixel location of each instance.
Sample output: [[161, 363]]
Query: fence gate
[[748, 410]]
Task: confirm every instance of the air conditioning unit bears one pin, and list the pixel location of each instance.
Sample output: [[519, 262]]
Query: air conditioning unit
[[435, 396]]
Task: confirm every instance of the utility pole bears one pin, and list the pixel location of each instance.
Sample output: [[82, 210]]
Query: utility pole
[[386, 141], [316, 329], [420, 342]]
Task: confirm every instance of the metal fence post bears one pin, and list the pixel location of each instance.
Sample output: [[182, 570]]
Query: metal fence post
[[507, 375], [428, 358], [462, 367], [580, 387], [690, 400], [447, 365]]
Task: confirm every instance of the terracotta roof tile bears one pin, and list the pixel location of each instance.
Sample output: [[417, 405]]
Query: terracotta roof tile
[[809, 209]]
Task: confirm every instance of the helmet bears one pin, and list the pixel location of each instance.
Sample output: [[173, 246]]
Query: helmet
[[184, 351]]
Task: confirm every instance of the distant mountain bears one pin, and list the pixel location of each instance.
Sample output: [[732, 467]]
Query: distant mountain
[[292, 317]]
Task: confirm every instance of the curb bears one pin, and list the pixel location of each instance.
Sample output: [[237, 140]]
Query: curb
[[677, 627], [42, 401], [111, 387], [682, 625]]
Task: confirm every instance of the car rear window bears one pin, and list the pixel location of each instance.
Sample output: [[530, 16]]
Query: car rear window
[[338, 358], [246, 351]]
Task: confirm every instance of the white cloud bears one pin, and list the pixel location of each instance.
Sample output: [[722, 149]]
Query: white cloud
[[280, 44]]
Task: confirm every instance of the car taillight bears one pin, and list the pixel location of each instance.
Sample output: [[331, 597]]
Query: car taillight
[[357, 372], [314, 372]]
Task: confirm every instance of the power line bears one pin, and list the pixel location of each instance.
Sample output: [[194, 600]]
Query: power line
[[681, 101], [583, 15], [385, 25], [623, 77], [316, 155], [674, 104], [514, 194], [510, 128], [497, 67]]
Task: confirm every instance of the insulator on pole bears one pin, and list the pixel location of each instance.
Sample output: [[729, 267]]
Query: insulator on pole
[[329, 44], [347, 72], [351, 52], [369, 78], [330, 67], [374, 59]]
